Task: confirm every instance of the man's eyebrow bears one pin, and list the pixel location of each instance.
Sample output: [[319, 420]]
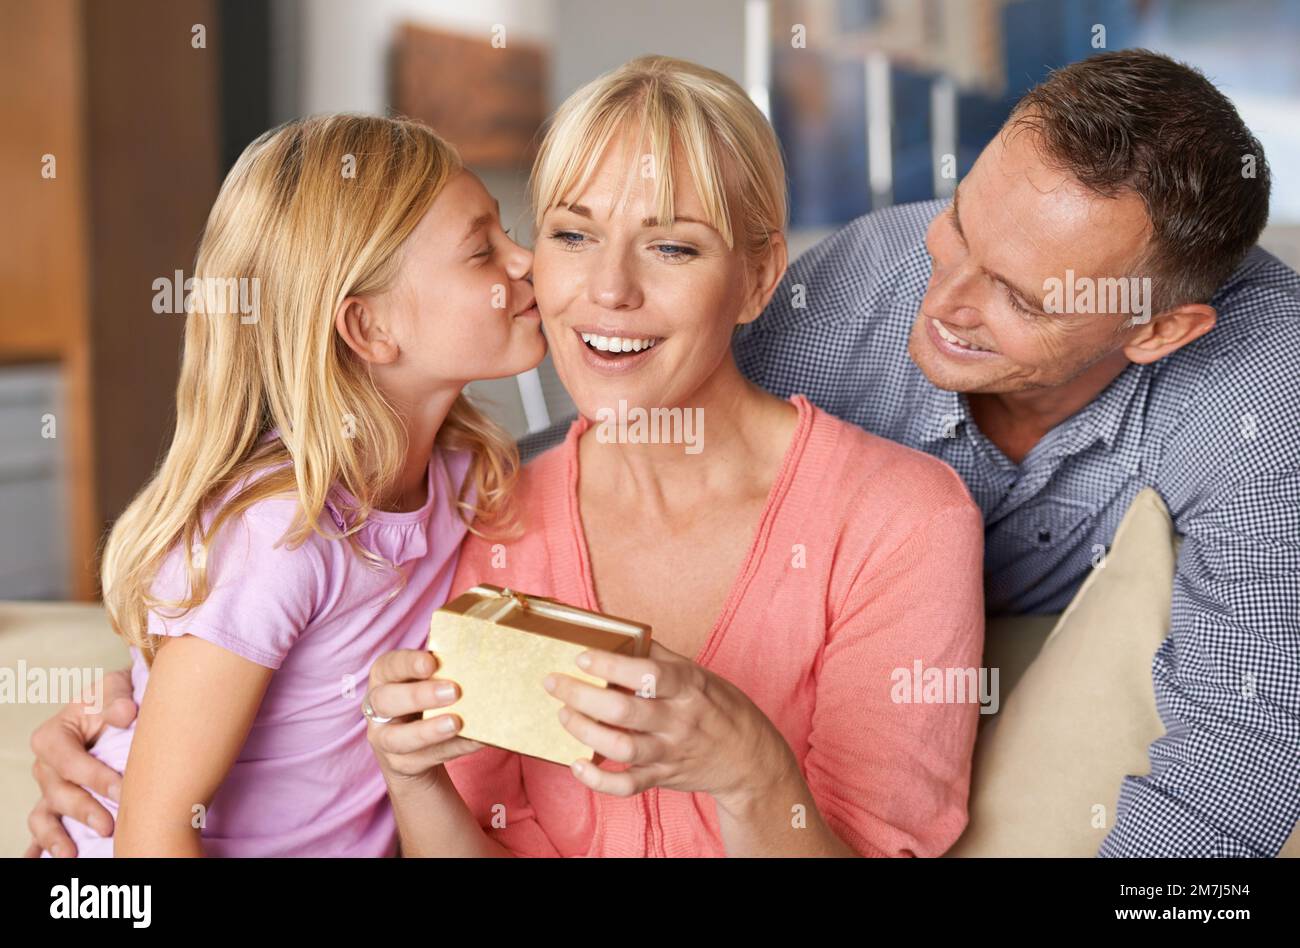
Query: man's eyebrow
[[583, 211], [1028, 299], [956, 217], [481, 221]]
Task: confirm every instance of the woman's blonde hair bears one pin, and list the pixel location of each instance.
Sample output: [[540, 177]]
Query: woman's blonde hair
[[727, 143], [313, 212]]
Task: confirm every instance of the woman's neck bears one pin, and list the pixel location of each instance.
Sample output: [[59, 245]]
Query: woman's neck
[[737, 428]]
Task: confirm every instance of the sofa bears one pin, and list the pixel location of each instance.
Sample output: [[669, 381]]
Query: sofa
[[1075, 712]]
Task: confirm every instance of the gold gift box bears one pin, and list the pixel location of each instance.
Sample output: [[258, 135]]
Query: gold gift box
[[498, 645]]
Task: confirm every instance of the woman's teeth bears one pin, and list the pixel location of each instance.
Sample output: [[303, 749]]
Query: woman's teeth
[[946, 336], [617, 343]]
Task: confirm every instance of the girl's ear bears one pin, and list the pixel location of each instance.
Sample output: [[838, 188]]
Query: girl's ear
[[767, 277], [358, 327]]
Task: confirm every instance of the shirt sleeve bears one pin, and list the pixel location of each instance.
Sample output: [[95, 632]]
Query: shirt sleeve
[[1225, 778], [491, 783], [889, 766], [261, 595]]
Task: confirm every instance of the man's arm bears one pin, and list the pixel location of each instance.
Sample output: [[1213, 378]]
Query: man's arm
[[1225, 778], [65, 769]]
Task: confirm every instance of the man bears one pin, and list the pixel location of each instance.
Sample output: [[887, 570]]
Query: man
[[1067, 331], [1085, 319]]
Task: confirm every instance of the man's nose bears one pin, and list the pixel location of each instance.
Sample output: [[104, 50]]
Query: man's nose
[[952, 296]]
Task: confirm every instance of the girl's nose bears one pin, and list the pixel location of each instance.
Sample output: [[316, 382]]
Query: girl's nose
[[519, 261]]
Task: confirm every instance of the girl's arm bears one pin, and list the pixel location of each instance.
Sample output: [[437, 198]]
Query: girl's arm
[[196, 713]]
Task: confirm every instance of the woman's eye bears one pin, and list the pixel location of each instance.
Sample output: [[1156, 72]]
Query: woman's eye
[[675, 251], [567, 238]]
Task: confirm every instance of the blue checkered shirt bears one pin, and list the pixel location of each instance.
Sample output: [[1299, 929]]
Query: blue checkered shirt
[[1212, 427]]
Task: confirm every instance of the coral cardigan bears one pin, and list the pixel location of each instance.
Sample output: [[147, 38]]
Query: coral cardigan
[[867, 559]]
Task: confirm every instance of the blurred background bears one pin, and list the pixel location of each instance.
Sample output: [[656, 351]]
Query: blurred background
[[120, 118]]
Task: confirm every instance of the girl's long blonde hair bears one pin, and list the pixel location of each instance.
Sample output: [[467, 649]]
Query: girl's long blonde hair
[[312, 212]]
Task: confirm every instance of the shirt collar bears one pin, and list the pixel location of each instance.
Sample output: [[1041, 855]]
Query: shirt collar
[[1101, 419]]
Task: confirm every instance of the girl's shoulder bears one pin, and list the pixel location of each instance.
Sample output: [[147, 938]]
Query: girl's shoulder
[[263, 588]]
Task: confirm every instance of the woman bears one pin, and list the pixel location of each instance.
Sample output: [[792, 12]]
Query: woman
[[792, 566]]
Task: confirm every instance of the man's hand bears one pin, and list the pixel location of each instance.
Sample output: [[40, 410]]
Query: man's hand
[[64, 768]]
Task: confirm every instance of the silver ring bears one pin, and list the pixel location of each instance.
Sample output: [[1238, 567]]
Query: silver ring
[[368, 710]]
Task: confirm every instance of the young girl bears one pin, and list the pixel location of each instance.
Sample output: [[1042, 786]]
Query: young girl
[[324, 469]]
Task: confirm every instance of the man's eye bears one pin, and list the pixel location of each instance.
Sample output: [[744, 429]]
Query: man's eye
[[1020, 307]]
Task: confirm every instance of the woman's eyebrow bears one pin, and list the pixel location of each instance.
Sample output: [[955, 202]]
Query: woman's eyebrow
[[678, 219], [583, 211]]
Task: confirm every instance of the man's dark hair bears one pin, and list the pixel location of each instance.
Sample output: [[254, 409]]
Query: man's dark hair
[[1138, 121]]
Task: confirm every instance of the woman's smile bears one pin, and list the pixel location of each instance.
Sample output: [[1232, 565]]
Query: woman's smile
[[611, 353]]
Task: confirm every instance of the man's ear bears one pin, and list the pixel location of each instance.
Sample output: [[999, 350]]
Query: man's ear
[[1170, 331], [766, 277], [364, 335]]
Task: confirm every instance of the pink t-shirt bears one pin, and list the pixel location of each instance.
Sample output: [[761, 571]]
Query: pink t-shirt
[[867, 558], [306, 782]]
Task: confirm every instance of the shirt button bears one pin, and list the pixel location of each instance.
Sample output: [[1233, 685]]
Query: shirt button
[[1044, 536]]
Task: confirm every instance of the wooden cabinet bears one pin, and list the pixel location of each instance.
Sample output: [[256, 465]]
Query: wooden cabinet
[[108, 166]]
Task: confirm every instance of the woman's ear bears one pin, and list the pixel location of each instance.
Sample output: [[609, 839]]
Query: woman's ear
[[358, 326], [766, 277], [1169, 331]]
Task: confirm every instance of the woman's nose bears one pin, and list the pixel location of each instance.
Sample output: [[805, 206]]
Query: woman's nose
[[612, 284]]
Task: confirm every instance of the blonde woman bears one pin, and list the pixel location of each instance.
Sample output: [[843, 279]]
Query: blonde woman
[[324, 470], [793, 566]]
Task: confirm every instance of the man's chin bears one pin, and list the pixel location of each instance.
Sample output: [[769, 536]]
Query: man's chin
[[937, 370]]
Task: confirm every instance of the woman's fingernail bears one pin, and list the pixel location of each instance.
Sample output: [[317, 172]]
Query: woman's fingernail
[[445, 692], [549, 682], [115, 792], [446, 724], [583, 660]]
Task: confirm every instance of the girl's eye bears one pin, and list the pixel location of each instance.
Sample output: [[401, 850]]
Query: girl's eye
[[567, 238], [485, 252], [675, 251]]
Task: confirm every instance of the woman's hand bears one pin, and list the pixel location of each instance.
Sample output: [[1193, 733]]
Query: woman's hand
[[410, 747], [684, 728], [64, 768]]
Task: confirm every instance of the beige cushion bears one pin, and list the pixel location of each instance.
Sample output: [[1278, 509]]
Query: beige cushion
[[44, 636], [1049, 764]]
